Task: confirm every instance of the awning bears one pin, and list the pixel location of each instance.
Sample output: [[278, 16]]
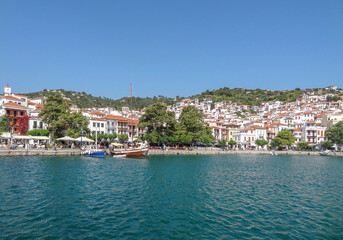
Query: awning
[[66, 138], [40, 138], [84, 139], [5, 135], [21, 137], [117, 144]]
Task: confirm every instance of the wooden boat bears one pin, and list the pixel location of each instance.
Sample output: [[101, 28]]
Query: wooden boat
[[130, 152], [141, 151]]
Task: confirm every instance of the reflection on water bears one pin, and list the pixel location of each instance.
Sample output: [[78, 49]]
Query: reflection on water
[[172, 197]]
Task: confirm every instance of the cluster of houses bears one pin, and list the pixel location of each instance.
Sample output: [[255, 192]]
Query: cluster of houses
[[307, 118]]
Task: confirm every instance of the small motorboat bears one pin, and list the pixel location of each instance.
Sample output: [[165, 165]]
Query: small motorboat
[[272, 153], [327, 153], [93, 152]]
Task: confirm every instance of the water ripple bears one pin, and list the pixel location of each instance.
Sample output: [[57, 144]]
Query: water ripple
[[171, 197]]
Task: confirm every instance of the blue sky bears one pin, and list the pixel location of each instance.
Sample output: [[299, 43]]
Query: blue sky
[[170, 48]]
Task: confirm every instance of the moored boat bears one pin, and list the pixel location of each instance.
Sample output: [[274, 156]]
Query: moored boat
[[327, 153], [93, 152], [130, 152]]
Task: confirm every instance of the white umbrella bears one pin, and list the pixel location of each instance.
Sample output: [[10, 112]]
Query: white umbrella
[[66, 138], [84, 139]]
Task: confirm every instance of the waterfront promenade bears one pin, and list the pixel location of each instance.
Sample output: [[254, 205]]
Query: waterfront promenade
[[230, 152], [39, 152], [75, 152]]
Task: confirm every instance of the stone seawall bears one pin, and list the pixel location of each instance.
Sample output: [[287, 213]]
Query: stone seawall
[[40, 152], [220, 152]]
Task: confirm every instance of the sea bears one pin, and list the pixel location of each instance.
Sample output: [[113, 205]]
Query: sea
[[172, 197]]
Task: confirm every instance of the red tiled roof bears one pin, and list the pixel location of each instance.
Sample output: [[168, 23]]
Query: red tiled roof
[[112, 117], [12, 104], [246, 129], [98, 119], [97, 113], [12, 98], [39, 107], [133, 121]]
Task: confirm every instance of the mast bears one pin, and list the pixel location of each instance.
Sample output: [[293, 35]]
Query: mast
[[131, 114], [96, 135]]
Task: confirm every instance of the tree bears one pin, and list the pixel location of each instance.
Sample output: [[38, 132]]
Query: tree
[[232, 143], [327, 145], [192, 125], [222, 143], [123, 138], [4, 124], [159, 122], [261, 142], [76, 122], [56, 113], [335, 133], [99, 137], [111, 137], [303, 145], [53, 113], [284, 138], [39, 132]]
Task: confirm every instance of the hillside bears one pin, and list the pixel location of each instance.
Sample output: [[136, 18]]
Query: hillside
[[238, 95], [255, 97], [84, 100]]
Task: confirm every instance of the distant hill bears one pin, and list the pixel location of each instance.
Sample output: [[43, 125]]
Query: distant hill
[[252, 97], [255, 97], [84, 100]]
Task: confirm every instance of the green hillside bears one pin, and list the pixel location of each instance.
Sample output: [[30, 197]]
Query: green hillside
[[84, 100], [255, 97], [252, 97]]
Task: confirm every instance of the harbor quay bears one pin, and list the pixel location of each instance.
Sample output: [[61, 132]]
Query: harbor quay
[[39, 152], [233, 152], [76, 152]]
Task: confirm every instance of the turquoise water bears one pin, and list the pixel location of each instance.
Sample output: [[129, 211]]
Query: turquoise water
[[172, 197]]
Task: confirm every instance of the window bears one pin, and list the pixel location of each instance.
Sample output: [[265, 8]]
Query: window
[[41, 125], [98, 124], [93, 124], [8, 112], [15, 113], [102, 125], [34, 124], [21, 113]]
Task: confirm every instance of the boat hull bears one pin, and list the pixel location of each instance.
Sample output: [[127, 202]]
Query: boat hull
[[94, 154], [131, 153]]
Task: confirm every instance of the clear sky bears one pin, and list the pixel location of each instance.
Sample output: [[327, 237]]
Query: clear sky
[[170, 48]]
